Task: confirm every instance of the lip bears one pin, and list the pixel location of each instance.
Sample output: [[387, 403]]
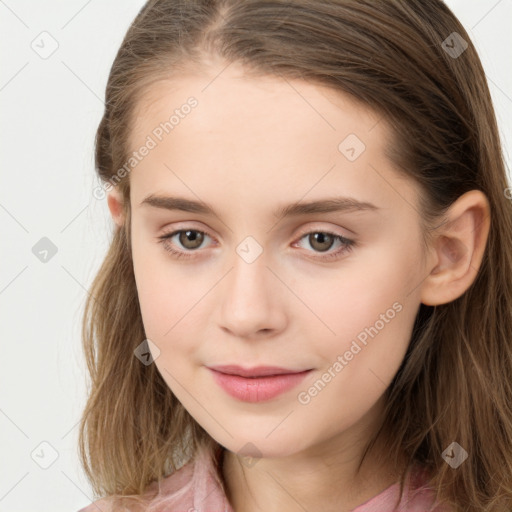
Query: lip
[[256, 371], [257, 384]]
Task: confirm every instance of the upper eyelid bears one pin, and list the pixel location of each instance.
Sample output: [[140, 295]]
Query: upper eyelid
[[302, 232], [332, 231]]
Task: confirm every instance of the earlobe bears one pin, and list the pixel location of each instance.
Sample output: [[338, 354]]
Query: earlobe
[[457, 249], [115, 205]]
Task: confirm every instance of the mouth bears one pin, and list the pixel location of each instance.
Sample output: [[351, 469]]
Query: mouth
[[256, 384]]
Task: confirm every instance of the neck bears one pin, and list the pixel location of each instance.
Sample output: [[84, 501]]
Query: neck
[[324, 477]]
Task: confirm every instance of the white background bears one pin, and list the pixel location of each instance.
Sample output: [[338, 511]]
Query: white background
[[50, 109]]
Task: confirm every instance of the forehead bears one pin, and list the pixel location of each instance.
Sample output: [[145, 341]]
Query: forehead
[[258, 138], [263, 103]]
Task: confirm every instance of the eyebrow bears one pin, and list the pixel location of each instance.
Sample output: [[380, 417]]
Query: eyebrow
[[328, 205]]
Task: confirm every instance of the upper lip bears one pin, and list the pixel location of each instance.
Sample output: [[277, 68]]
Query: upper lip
[[257, 371]]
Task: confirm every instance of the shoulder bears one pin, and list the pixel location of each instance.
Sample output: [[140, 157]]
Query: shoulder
[[418, 496], [165, 487], [195, 485], [117, 504], [112, 504], [421, 496], [104, 504]]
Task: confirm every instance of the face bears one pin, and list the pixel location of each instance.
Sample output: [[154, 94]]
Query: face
[[333, 294]]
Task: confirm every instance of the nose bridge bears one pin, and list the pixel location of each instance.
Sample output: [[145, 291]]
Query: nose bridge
[[249, 281], [249, 296]]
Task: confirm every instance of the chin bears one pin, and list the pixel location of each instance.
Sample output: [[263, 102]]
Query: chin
[[259, 447]]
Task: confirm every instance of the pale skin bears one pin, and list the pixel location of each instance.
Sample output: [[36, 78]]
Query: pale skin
[[250, 146]]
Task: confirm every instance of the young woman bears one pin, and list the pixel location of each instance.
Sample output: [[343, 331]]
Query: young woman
[[307, 302]]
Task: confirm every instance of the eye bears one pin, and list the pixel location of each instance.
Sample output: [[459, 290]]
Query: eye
[[324, 240], [191, 240]]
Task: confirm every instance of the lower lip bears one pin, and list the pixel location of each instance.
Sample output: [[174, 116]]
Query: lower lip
[[257, 389]]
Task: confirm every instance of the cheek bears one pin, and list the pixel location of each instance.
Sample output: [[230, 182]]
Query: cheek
[[373, 331], [352, 297], [153, 286], [169, 297], [368, 311]]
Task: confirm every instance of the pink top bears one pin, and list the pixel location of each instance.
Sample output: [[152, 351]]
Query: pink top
[[195, 487]]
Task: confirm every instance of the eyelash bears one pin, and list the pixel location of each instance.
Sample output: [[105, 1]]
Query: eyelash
[[347, 247]]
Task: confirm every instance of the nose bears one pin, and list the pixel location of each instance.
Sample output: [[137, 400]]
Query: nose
[[251, 300]]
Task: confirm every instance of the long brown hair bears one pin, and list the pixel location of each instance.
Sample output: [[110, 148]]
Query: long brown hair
[[455, 383]]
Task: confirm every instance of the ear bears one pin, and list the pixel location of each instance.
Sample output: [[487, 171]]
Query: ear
[[116, 206], [457, 249]]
